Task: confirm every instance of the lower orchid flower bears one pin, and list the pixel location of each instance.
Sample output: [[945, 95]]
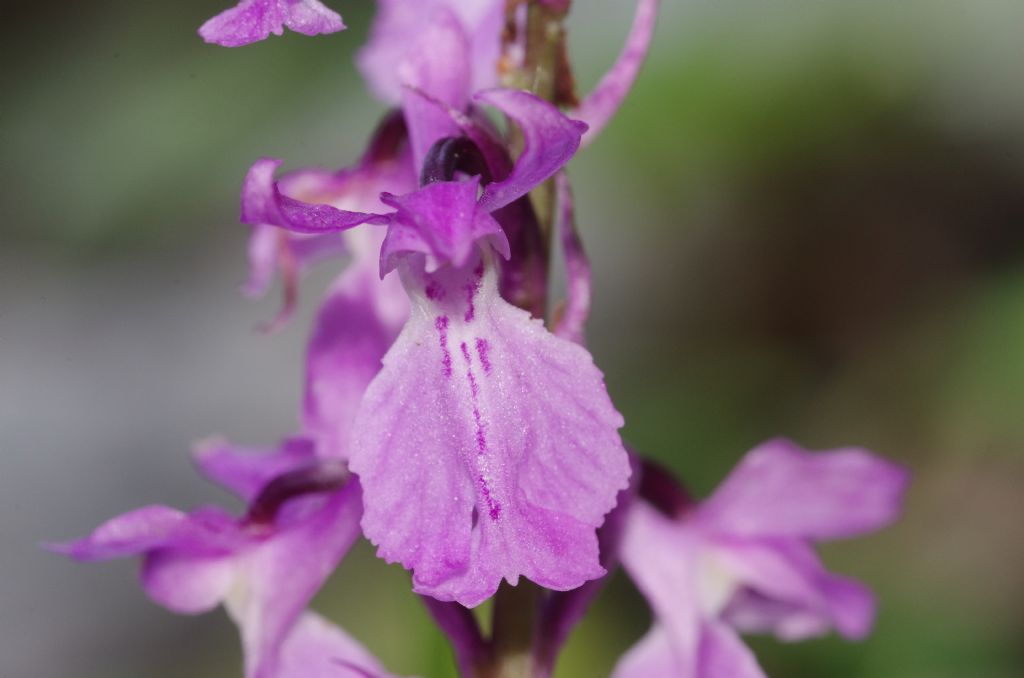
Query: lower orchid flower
[[194, 561], [743, 559]]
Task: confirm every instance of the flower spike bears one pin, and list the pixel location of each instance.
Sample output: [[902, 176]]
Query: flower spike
[[743, 560]]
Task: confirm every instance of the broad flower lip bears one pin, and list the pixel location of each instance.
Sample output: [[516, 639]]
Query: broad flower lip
[[253, 20], [488, 447], [743, 561]]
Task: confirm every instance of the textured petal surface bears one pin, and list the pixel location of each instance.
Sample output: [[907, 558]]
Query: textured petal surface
[[487, 447], [246, 470], [779, 489], [549, 140], [264, 203], [254, 20], [562, 610], [598, 107], [315, 648]]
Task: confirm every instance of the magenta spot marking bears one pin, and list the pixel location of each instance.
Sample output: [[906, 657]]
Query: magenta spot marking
[[442, 334], [481, 437], [493, 507], [471, 289], [434, 291], [483, 350]]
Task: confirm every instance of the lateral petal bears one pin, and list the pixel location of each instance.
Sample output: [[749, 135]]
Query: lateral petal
[[549, 140], [781, 490]]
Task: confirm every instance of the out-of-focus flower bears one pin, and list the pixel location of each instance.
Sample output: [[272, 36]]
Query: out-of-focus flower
[[743, 560], [406, 37], [254, 20], [264, 568]]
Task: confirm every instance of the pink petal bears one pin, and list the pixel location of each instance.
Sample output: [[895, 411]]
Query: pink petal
[[355, 326], [315, 648], [383, 167], [779, 489], [246, 470], [723, 655], [254, 20], [487, 447], [279, 577], [264, 203], [398, 29], [185, 583], [204, 531], [549, 140], [573, 315], [443, 222], [598, 107], [653, 655], [787, 591], [660, 556], [436, 64], [271, 249]]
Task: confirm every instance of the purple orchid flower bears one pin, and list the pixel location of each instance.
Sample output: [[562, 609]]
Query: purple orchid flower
[[254, 20], [194, 561], [743, 559], [487, 447]]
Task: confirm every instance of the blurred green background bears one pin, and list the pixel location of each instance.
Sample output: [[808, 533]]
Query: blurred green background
[[806, 221]]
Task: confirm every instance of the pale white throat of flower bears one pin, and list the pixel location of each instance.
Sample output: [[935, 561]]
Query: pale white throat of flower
[[716, 582]]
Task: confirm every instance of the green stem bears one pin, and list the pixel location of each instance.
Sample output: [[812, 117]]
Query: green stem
[[514, 615]]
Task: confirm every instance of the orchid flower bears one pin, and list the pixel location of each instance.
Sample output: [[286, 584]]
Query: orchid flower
[[513, 423], [743, 559], [194, 561]]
